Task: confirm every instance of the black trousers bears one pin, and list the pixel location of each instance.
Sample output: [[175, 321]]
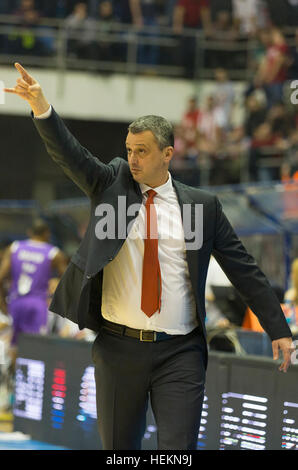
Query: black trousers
[[128, 372]]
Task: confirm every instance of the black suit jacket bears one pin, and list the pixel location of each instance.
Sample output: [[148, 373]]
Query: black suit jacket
[[78, 295]]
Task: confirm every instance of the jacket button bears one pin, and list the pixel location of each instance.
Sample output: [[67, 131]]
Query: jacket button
[[88, 276]]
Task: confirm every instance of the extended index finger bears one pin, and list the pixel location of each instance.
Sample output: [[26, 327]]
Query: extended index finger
[[24, 73]]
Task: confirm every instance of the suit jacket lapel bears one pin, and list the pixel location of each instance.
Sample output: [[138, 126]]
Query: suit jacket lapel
[[192, 260]]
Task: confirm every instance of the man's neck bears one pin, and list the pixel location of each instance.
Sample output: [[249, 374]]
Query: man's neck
[[163, 181], [37, 239]]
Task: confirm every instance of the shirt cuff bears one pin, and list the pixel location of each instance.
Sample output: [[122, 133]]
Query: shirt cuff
[[45, 115]]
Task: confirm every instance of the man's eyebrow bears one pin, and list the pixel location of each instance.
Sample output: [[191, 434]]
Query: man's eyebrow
[[128, 145]]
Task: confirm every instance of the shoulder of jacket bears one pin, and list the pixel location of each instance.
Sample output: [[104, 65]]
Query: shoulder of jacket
[[197, 194], [118, 165], [117, 162]]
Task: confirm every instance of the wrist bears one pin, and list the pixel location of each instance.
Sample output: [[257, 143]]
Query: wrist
[[39, 107]]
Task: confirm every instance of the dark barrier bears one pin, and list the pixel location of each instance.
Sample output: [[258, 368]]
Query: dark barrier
[[248, 403]]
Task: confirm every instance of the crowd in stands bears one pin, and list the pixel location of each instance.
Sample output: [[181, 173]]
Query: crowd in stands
[[207, 137], [265, 142], [241, 17], [218, 20]]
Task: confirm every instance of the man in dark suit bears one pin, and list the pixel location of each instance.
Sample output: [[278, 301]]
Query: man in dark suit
[[138, 279]]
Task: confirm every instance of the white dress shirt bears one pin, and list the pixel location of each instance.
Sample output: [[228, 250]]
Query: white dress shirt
[[45, 115], [122, 277]]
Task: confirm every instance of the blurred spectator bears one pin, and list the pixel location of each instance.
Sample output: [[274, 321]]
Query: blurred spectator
[[104, 49], [145, 13], [189, 125], [27, 11], [273, 69], [223, 32], [191, 117], [224, 94], [220, 5], [194, 14], [280, 120], [186, 152], [211, 126], [25, 38], [259, 49], [265, 144], [223, 28], [105, 11], [236, 146], [250, 16], [22, 39], [270, 135], [212, 143], [257, 57], [184, 162], [169, 11], [256, 112], [53, 9], [87, 44], [186, 136], [81, 43], [178, 161], [293, 70]]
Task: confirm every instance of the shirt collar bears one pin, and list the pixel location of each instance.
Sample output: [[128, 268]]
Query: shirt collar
[[162, 190]]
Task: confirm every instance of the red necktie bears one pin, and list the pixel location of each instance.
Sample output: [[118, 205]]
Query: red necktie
[[151, 283]]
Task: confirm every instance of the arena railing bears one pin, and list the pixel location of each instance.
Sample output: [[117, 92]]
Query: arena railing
[[132, 38]]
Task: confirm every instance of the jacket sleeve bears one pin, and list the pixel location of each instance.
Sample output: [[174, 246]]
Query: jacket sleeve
[[251, 283], [87, 171]]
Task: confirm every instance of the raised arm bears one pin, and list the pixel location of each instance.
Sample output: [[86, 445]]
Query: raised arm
[[78, 163]]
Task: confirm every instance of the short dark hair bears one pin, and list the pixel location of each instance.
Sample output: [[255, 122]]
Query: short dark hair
[[160, 127], [39, 227]]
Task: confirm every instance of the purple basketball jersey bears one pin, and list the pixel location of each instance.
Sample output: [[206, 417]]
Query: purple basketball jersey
[[30, 268]]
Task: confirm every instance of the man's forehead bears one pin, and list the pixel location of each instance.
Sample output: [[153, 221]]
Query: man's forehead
[[140, 138]]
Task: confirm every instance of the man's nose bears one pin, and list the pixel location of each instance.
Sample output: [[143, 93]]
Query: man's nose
[[133, 157]]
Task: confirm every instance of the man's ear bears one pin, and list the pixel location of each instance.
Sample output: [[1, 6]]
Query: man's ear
[[168, 153]]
